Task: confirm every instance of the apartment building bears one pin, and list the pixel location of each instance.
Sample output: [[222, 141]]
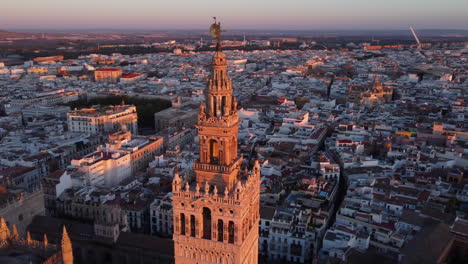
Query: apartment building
[[103, 119]]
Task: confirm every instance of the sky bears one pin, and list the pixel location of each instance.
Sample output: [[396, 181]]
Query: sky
[[234, 14]]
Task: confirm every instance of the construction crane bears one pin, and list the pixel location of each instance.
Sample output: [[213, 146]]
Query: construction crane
[[419, 43], [416, 37]]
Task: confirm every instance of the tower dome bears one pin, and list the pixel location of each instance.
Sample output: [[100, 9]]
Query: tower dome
[[219, 59]]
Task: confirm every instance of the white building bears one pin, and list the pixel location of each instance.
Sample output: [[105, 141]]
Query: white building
[[328, 167], [104, 168], [340, 238], [38, 111], [58, 96], [287, 236], [104, 119]]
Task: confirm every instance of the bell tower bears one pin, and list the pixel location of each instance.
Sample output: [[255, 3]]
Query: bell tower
[[218, 124], [216, 212]]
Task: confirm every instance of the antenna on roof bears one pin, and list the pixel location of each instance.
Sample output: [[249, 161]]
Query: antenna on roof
[[244, 40]]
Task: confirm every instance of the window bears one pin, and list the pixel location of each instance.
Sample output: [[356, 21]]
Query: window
[[182, 224], [206, 223], [231, 232], [220, 230], [192, 225]]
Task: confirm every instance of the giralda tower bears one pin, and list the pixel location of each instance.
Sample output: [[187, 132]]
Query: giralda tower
[[216, 211]]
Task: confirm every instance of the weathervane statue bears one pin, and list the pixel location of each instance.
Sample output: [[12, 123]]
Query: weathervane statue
[[215, 31]]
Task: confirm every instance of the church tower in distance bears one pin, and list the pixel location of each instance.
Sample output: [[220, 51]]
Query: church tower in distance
[[216, 211]]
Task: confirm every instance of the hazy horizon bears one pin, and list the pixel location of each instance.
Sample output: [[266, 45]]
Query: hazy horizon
[[235, 33], [237, 15]]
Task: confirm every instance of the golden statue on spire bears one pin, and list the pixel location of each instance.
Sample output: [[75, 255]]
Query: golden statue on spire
[[215, 32]]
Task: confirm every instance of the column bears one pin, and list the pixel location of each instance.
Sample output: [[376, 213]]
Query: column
[[226, 232], [198, 228], [212, 105], [187, 225]]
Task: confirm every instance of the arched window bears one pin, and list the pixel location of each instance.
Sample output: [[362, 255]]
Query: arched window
[[214, 151], [220, 230], [223, 106], [192, 225], [182, 224], [231, 232], [206, 223]]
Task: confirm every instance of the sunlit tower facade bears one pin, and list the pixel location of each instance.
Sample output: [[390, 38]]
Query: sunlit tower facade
[[216, 210]]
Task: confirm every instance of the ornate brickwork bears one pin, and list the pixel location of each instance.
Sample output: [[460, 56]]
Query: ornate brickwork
[[53, 254], [216, 214]]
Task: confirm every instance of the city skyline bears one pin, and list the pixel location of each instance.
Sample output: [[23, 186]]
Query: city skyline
[[242, 14], [233, 132]]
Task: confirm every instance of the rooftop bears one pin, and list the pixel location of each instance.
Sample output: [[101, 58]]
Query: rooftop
[[16, 171], [108, 70], [102, 110]]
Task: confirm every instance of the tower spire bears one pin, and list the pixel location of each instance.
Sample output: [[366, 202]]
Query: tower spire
[[218, 124], [4, 230], [67, 251]]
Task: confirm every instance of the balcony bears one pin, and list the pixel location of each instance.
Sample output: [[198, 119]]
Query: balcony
[[217, 168]]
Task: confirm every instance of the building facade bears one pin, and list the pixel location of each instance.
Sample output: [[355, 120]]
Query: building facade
[[53, 185], [161, 216], [121, 157], [175, 117], [38, 111], [104, 168], [216, 213], [20, 176], [104, 119], [19, 207], [58, 96], [107, 75]]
